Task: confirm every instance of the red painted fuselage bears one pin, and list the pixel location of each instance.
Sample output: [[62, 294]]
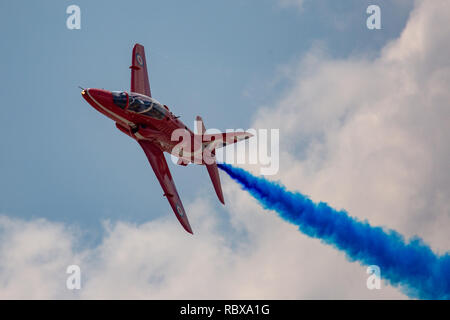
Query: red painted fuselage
[[137, 125]]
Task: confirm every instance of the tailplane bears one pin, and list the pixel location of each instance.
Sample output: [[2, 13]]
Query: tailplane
[[211, 142]]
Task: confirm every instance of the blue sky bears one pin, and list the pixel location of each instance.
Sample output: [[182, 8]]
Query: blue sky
[[63, 161]]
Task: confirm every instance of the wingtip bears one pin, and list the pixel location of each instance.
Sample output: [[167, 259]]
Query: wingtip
[[187, 226]]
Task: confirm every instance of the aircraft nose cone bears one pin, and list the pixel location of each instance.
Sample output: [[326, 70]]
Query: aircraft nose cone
[[103, 97]]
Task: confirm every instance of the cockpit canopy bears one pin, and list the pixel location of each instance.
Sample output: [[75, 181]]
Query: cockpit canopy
[[140, 104], [120, 99]]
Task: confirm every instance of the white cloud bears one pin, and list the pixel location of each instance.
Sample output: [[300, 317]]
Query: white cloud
[[157, 260], [373, 133], [33, 259], [366, 135]]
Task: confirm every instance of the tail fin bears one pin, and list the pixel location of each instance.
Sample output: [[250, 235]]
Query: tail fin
[[213, 171], [200, 126], [139, 74]]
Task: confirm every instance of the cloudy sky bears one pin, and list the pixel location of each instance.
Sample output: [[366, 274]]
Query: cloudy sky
[[363, 118]]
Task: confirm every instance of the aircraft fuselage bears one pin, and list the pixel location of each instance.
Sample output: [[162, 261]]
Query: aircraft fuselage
[[152, 125]]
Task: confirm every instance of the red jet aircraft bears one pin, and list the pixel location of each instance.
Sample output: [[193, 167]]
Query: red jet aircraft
[[152, 125]]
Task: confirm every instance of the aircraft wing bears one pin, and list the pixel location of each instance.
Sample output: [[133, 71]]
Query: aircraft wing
[[139, 75], [159, 164]]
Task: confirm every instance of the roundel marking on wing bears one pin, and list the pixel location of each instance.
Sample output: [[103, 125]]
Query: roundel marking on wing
[[179, 210]]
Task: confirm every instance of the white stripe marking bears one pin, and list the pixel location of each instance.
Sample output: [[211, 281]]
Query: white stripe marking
[[110, 112]]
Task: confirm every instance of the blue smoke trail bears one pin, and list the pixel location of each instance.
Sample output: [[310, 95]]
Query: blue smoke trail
[[412, 265]]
